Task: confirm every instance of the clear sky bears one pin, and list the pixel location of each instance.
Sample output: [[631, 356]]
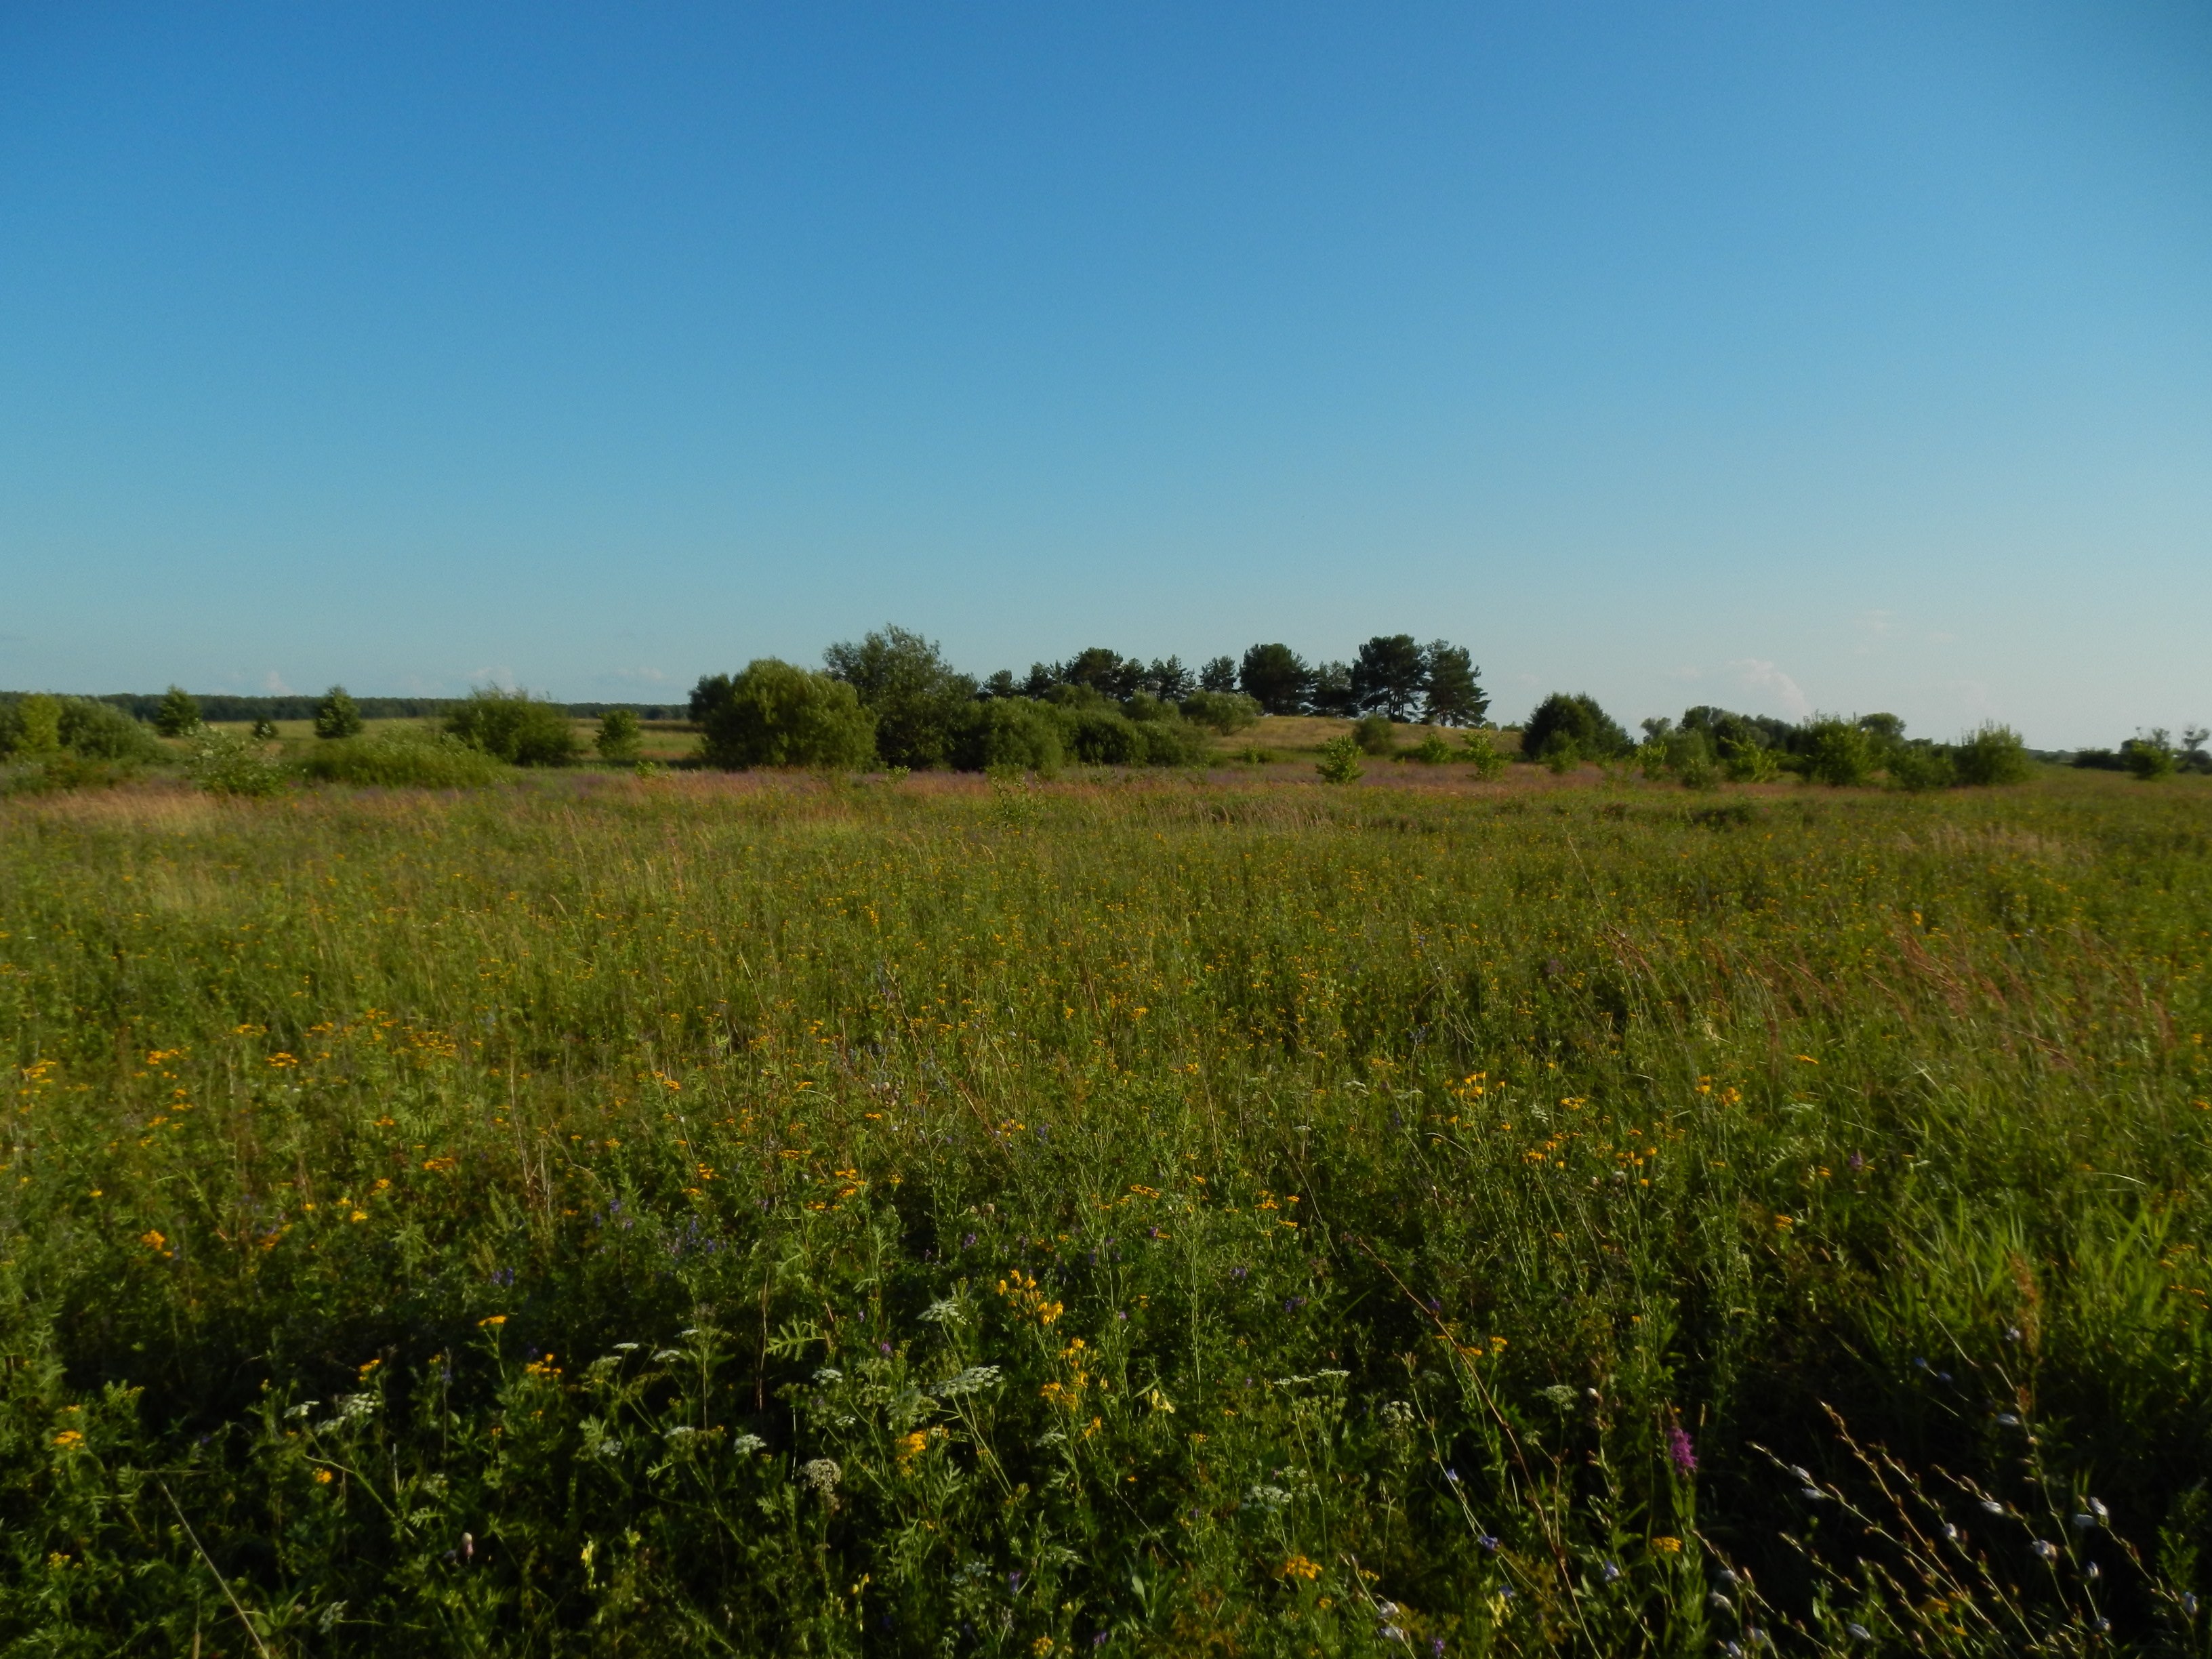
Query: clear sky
[[1775, 355]]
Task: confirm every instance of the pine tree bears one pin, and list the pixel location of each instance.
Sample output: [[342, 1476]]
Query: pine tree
[[1455, 696], [338, 715], [179, 714]]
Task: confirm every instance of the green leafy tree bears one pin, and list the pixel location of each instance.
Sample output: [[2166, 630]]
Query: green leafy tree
[[2151, 755], [338, 715], [33, 726], [620, 735], [1390, 675], [1918, 766], [1454, 686], [1226, 711], [710, 694], [514, 726], [920, 703], [1276, 678], [1219, 674], [1016, 733], [92, 730], [180, 712], [1993, 755], [227, 763], [1838, 752], [1340, 759], [265, 729], [1569, 726], [1483, 754], [779, 714], [1000, 685]]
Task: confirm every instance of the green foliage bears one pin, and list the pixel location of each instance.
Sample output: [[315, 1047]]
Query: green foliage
[[30, 726], [1390, 675], [178, 713], [1011, 735], [1483, 754], [1918, 766], [403, 758], [620, 735], [227, 763], [1838, 752], [265, 729], [777, 714], [1340, 759], [1276, 678], [1219, 674], [2150, 756], [1682, 753], [921, 704], [418, 1239], [1432, 751], [1452, 685], [1993, 755], [514, 726], [1568, 726], [1373, 736], [1331, 692], [1225, 712], [1747, 761], [338, 715]]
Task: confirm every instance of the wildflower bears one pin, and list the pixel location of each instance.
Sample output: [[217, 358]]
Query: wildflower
[[823, 1474], [2045, 1549], [68, 1437], [1679, 1452], [1299, 1567], [322, 1477], [1858, 1632], [1488, 1542], [1667, 1546], [154, 1241], [1612, 1573], [495, 1319]]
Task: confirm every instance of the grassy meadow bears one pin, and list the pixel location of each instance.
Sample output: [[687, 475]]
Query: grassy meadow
[[1172, 1214]]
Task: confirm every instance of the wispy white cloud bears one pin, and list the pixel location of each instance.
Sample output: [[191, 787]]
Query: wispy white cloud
[[1758, 675], [273, 683], [635, 676]]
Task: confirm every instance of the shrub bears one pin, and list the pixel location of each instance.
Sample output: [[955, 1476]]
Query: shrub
[[1483, 754], [2150, 756], [228, 763], [1573, 725], [777, 715], [1374, 735], [620, 735], [180, 712], [1683, 753], [1839, 753], [919, 701], [1340, 759], [1993, 755], [1170, 740], [1100, 735], [1226, 711], [1013, 734], [30, 726], [1431, 750], [404, 759], [265, 729], [1747, 760], [1918, 766], [514, 726], [338, 715], [101, 732]]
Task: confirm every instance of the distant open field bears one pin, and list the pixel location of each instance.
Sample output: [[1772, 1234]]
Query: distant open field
[[1154, 1212]]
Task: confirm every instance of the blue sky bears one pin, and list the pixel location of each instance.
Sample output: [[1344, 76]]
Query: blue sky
[[1779, 355]]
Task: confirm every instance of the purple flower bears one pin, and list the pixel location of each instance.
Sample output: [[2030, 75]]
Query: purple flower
[[1679, 1452], [883, 1347], [1856, 1163], [968, 1243]]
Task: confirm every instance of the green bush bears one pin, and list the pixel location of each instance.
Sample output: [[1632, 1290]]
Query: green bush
[[30, 726], [1483, 754], [1747, 760], [179, 712], [1918, 766], [514, 726], [1431, 750], [265, 729], [227, 763], [2151, 756], [100, 731], [777, 715], [338, 715], [1013, 734], [1993, 755], [1839, 753], [1340, 759], [1375, 735], [1569, 727], [620, 735], [406, 759], [1226, 711]]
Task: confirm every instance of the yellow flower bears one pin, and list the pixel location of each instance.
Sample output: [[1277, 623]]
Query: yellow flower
[[496, 1319], [322, 1477], [68, 1437], [153, 1241], [1667, 1546], [1299, 1567]]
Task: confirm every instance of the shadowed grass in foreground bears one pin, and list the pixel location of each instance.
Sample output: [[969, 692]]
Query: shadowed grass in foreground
[[729, 1216]]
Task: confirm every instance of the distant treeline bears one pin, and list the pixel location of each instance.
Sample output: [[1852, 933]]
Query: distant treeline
[[219, 707]]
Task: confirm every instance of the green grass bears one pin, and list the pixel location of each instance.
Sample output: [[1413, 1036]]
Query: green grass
[[1125, 1216]]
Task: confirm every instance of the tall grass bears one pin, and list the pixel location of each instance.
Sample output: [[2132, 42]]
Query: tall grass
[[738, 1216]]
